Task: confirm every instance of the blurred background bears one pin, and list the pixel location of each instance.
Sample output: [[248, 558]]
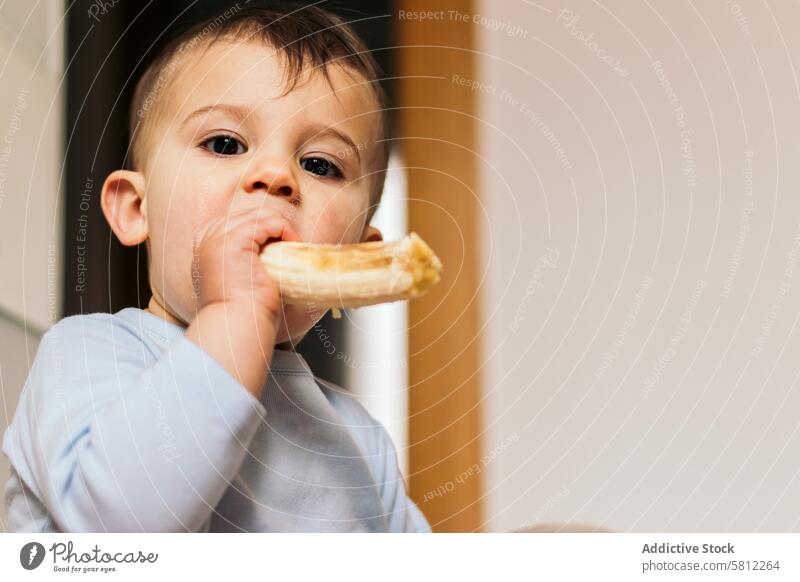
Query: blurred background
[[612, 188]]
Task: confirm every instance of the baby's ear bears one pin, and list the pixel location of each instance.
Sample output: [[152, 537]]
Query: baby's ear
[[122, 200], [371, 234]]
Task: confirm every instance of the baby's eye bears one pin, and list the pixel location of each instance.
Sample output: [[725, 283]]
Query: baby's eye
[[224, 145], [320, 167]]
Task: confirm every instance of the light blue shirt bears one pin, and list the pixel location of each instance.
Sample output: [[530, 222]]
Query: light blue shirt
[[124, 425]]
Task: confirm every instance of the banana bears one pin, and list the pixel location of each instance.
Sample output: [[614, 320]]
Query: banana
[[352, 275]]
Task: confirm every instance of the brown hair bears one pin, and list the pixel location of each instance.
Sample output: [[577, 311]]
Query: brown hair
[[308, 37]]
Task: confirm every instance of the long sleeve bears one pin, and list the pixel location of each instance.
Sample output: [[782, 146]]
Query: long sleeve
[[403, 513], [114, 437]]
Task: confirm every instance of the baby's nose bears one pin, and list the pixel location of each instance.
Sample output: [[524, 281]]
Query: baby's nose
[[284, 190], [272, 178]]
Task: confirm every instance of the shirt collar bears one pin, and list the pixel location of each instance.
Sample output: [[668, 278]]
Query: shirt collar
[[282, 360]]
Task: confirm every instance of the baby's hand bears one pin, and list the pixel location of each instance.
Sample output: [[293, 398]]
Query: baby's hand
[[229, 266], [240, 312]]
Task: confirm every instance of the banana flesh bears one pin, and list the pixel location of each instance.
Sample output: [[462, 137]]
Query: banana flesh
[[352, 275]]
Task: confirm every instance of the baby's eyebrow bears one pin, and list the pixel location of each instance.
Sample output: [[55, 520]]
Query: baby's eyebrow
[[238, 112], [316, 131]]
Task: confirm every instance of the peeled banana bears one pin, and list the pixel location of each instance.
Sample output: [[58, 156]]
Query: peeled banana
[[352, 275]]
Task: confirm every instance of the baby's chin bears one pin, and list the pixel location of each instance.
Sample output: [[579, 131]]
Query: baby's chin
[[296, 322]]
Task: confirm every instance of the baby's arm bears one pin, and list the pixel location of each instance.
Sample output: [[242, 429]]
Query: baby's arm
[[112, 442]]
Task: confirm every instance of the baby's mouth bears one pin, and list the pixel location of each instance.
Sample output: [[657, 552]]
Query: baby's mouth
[[275, 239]]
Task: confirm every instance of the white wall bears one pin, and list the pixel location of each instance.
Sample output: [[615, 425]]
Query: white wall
[[641, 375], [31, 118], [31, 153], [16, 357], [377, 350]]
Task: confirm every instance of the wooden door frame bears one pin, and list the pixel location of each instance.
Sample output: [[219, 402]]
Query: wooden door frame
[[437, 137]]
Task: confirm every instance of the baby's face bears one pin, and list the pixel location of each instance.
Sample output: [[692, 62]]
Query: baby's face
[[226, 140]]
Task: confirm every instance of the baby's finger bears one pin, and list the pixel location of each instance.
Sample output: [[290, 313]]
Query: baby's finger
[[275, 228], [245, 223]]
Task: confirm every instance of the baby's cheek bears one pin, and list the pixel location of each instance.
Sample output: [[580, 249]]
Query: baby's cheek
[[338, 221], [325, 226]]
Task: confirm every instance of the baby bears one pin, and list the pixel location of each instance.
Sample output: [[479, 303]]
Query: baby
[[195, 414]]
